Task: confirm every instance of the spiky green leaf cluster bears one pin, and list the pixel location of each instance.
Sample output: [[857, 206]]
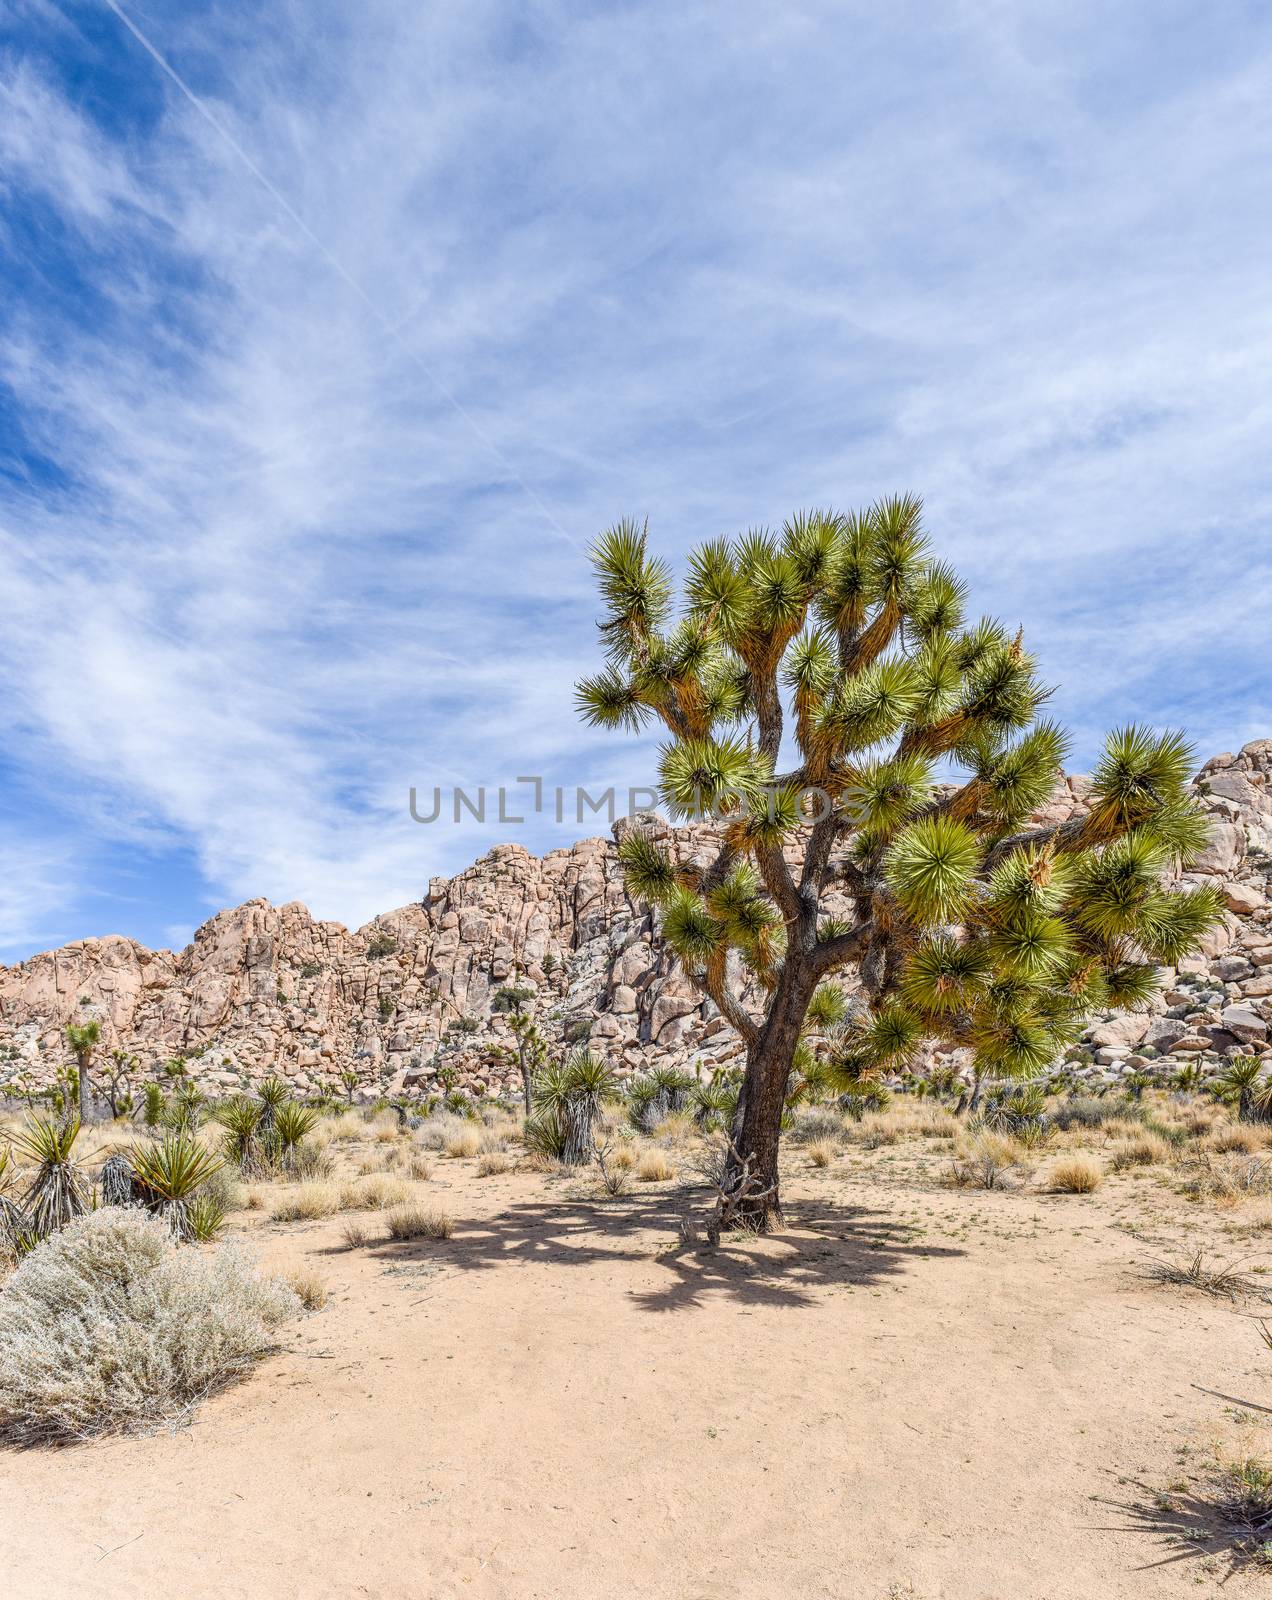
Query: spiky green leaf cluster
[[842, 636]]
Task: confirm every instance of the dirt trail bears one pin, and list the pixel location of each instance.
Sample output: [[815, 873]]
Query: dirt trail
[[559, 1403]]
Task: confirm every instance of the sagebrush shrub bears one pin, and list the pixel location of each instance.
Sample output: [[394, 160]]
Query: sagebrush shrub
[[109, 1326]]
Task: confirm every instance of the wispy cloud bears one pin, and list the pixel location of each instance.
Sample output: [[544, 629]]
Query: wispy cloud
[[704, 263]]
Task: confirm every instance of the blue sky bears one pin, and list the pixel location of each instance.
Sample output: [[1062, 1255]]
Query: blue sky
[[292, 512]]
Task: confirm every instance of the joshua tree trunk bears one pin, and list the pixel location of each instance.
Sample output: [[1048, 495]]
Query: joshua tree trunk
[[758, 1125], [81, 1072], [524, 1066]]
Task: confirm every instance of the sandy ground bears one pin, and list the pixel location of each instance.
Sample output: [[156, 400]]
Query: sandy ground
[[912, 1392]]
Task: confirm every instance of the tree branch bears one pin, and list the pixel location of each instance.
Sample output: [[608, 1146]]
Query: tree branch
[[715, 981], [842, 949]]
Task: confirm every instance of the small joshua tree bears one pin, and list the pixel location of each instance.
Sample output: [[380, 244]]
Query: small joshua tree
[[842, 639], [82, 1038], [532, 1049], [118, 1073]]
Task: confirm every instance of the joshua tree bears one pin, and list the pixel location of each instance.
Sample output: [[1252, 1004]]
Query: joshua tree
[[843, 637], [82, 1038], [122, 1066], [532, 1049]]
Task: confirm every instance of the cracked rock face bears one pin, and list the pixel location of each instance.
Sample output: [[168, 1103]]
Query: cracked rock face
[[267, 989]]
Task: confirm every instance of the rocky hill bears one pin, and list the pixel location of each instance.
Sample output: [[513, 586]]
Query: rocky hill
[[267, 989]]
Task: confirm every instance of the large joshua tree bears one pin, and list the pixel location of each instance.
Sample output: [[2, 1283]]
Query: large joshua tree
[[914, 755]]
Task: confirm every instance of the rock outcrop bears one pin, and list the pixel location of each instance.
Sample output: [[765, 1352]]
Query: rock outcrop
[[267, 989]]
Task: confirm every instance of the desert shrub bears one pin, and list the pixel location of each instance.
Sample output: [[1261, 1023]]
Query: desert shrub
[[381, 945], [419, 1222], [1145, 1150], [434, 1132], [1075, 1174], [654, 1167], [492, 1163], [1222, 1279], [372, 1193], [817, 1125], [354, 1233], [822, 1152], [875, 1132], [107, 1326], [306, 1203], [419, 1169], [1086, 1112], [984, 1162]]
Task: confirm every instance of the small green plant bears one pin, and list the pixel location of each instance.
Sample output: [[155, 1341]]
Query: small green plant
[[205, 1217], [311, 969], [381, 945], [387, 1006]]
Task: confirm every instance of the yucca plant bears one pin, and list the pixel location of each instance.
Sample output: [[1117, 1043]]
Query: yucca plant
[[714, 1104], [844, 637], [1242, 1083], [205, 1217], [272, 1093], [567, 1099], [57, 1191], [240, 1117], [292, 1125], [169, 1174]]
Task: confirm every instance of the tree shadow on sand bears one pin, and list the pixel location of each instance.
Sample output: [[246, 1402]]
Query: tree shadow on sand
[[1218, 1520], [819, 1246]]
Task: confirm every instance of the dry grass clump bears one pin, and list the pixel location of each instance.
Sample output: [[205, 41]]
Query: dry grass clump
[[381, 1161], [654, 1167], [354, 1233], [306, 1203], [343, 1129], [419, 1222], [1237, 1139], [1223, 1280], [676, 1129], [308, 1285], [109, 1326], [463, 1144], [419, 1169], [623, 1158], [437, 1130], [373, 1193], [878, 1129], [1142, 1150], [1075, 1174], [493, 1163], [1228, 1182], [821, 1152]]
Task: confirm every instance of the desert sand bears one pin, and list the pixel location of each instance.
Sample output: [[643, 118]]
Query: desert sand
[[911, 1391]]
